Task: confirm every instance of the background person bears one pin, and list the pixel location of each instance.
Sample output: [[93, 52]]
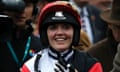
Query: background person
[[92, 24], [105, 50], [22, 44]]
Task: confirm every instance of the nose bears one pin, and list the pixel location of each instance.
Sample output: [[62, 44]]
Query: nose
[[59, 31]]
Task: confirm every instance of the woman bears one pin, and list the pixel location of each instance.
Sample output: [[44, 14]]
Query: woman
[[59, 29]]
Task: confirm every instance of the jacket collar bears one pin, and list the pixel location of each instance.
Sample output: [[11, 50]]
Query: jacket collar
[[66, 55]]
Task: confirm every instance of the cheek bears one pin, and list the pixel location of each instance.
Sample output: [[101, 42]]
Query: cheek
[[29, 12], [69, 34], [50, 35]]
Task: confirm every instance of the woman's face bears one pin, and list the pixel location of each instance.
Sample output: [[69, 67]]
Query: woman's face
[[60, 36]]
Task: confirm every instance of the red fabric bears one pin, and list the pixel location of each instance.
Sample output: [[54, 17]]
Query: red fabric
[[96, 68], [24, 69]]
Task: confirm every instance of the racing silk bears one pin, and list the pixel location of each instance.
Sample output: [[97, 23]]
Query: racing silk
[[46, 63]]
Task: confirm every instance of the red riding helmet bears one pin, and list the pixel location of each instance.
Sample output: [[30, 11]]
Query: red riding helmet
[[70, 14]]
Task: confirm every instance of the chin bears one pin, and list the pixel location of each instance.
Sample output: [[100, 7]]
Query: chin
[[61, 48]]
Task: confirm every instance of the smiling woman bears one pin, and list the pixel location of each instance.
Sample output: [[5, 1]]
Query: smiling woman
[[59, 28]]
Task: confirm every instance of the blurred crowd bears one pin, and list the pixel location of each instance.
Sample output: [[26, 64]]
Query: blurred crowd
[[20, 38]]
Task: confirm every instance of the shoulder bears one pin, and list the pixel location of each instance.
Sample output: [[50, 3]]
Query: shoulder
[[36, 43], [85, 60], [29, 65], [35, 38], [99, 46], [32, 62], [85, 56]]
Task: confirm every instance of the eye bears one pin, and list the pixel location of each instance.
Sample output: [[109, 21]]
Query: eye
[[52, 27], [67, 26]]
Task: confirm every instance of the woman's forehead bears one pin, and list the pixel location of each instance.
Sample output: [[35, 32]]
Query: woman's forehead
[[61, 24]]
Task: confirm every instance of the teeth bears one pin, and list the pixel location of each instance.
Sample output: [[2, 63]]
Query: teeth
[[60, 39]]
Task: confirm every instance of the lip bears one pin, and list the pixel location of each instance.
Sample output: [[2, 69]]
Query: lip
[[60, 41], [60, 38]]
